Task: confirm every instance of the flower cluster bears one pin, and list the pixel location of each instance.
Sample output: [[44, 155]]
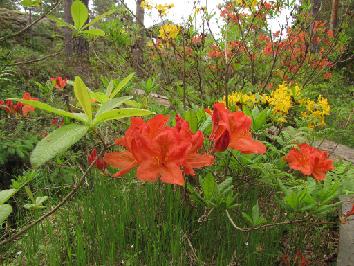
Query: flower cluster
[[161, 8], [159, 152], [239, 98], [309, 161], [281, 101], [168, 32], [232, 130], [18, 108], [315, 112], [59, 83]]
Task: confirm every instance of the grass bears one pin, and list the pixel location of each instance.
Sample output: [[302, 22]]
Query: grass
[[125, 222]]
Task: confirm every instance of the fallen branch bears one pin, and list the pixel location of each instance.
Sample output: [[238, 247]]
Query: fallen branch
[[264, 226]]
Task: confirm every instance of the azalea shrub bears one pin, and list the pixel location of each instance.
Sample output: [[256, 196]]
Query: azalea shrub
[[209, 115]]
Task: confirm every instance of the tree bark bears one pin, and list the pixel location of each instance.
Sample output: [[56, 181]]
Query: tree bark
[[334, 15], [74, 46], [138, 46]]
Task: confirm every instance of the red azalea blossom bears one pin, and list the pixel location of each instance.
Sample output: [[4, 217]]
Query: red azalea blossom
[[309, 161], [349, 213], [232, 130], [27, 108], [57, 121], [59, 82], [159, 151], [100, 163]]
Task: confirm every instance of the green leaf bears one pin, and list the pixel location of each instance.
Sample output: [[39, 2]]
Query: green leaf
[[209, 187], [94, 32], [79, 14], [83, 96], [121, 85], [46, 107], [60, 22], [119, 114], [6, 194], [57, 142], [99, 96], [111, 104], [99, 17], [5, 211]]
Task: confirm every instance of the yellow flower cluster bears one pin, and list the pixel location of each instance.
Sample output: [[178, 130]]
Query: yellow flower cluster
[[281, 101], [161, 8], [315, 111], [146, 5], [237, 98], [168, 32]]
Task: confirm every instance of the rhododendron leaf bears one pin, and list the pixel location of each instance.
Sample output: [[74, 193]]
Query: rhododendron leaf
[[94, 32], [111, 104], [79, 14], [60, 22], [99, 96], [5, 211], [57, 142], [120, 113], [46, 107], [83, 96], [121, 85], [99, 17], [6, 194], [209, 186]]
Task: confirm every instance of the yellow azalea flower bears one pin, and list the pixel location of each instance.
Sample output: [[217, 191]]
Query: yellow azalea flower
[[280, 100], [145, 5], [168, 31], [163, 8]]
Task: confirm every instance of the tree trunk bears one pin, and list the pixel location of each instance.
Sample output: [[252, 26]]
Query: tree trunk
[[334, 15], [138, 46], [68, 38], [74, 46]]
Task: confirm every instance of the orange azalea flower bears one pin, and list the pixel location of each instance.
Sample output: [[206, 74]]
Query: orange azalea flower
[[27, 108], [59, 82], [309, 161], [158, 151], [100, 163], [349, 213], [232, 130]]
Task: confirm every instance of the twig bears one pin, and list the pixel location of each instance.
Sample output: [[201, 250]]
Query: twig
[[35, 60], [264, 226]]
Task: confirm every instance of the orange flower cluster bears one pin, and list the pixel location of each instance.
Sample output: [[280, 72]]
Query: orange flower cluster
[[232, 130], [24, 109], [59, 83], [158, 151], [309, 161]]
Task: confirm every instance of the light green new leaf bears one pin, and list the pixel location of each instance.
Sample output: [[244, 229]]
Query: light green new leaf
[[99, 17], [46, 107], [5, 211], [79, 14], [60, 22], [6, 194], [57, 142], [120, 113], [111, 104], [99, 96], [121, 85], [93, 32], [83, 96]]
